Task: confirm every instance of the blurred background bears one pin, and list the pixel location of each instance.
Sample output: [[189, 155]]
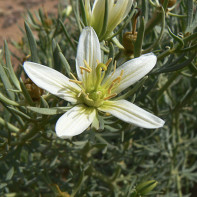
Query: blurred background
[[12, 13]]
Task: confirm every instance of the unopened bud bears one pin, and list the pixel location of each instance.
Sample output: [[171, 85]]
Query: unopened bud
[[34, 91], [170, 3], [128, 41]]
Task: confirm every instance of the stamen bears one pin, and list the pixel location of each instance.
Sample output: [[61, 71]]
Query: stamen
[[86, 69], [73, 76], [119, 77], [109, 97], [75, 81], [79, 94], [108, 62], [114, 68], [110, 88], [107, 114], [97, 61], [86, 64], [122, 71]]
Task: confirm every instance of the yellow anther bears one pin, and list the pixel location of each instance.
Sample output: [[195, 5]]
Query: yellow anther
[[28, 56], [110, 88], [86, 64], [107, 114], [109, 97], [117, 79], [75, 81], [97, 61], [108, 62], [86, 69], [114, 68], [79, 94]]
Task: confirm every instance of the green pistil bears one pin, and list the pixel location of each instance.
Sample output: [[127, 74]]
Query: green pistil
[[99, 69]]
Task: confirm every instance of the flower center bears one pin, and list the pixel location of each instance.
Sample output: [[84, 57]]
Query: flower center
[[94, 96]]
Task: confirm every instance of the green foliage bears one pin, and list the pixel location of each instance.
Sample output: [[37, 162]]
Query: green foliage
[[119, 159]]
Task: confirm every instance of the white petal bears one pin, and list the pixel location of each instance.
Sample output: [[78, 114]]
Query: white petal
[[98, 11], [89, 50], [52, 81], [88, 11], [129, 4], [133, 71], [116, 13], [131, 113], [75, 121]]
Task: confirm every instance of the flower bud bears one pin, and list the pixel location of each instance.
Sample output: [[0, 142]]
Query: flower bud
[[128, 41], [170, 3], [116, 11], [34, 91]]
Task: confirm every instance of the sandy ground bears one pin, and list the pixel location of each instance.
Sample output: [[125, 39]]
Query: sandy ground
[[12, 15]]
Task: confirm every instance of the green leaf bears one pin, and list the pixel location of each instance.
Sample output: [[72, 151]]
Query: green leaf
[[146, 187], [6, 83], [133, 90], [56, 59], [43, 103], [20, 113], [145, 9], [68, 37], [2, 185], [8, 125], [32, 44], [54, 161], [140, 37], [156, 43], [190, 37], [10, 174], [177, 66], [7, 101], [9, 66], [77, 187], [190, 12], [111, 55], [49, 111], [177, 38], [83, 12], [65, 63], [31, 18]]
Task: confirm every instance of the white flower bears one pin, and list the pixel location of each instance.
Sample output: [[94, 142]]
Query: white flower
[[91, 93], [117, 11]]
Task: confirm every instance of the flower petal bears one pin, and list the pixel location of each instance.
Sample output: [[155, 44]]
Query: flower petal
[[131, 113], [89, 50], [52, 81], [98, 11], [117, 13], [75, 121], [129, 4], [88, 11], [133, 71]]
